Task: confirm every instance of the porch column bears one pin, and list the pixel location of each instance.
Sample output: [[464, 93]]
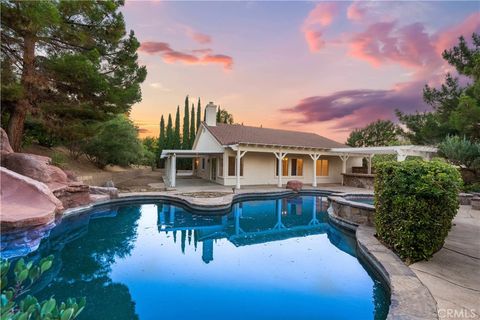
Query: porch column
[[280, 155], [314, 157], [344, 165], [369, 163], [167, 170], [173, 170], [237, 167]]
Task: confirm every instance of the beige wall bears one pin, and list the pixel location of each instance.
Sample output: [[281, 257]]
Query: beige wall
[[259, 169]]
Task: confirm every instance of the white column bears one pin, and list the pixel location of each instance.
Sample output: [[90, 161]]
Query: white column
[[344, 165], [314, 157], [173, 171], [279, 155], [237, 167], [369, 162]]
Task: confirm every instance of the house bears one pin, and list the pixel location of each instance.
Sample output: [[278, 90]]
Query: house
[[236, 155]]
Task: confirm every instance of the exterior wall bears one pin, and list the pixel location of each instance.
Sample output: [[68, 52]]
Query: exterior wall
[[206, 141], [260, 169]]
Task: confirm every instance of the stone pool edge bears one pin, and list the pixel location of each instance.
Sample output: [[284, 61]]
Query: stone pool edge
[[410, 298]]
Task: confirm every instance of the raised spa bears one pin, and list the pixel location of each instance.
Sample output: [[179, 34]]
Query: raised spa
[[266, 259]]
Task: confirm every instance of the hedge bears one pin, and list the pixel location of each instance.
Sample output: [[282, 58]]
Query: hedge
[[415, 202]]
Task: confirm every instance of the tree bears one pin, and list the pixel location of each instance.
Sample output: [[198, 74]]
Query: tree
[[199, 114], [223, 116], [161, 139], [186, 126], [378, 133], [456, 109], [169, 141], [177, 144], [192, 126], [72, 61], [115, 143], [463, 153]]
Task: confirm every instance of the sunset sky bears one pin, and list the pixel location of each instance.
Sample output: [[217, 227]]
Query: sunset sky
[[323, 67]]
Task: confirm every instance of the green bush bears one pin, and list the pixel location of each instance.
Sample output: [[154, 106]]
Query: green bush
[[115, 143], [58, 159], [15, 305], [415, 202]]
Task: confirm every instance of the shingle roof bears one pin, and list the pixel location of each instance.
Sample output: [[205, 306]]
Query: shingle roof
[[228, 134]]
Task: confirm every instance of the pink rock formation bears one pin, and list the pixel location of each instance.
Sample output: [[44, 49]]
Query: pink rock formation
[[5, 143], [25, 202], [295, 185]]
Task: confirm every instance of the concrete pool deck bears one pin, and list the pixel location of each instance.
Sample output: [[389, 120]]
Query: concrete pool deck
[[453, 274]]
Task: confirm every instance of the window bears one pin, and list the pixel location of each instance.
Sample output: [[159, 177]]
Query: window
[[297, 167], [203, 163], [284, 167], [232, 161], [220, 167], [322, 167]]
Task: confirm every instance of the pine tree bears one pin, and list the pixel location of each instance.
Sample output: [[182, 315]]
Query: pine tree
[[169, 133], [199, 114], [192, 127], [161, 139], [186, 126], [177, 143], [218, 114]]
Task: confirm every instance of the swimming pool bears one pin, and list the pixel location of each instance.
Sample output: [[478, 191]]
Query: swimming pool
[[275, 258]]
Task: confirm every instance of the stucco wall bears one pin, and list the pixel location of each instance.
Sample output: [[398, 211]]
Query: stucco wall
[[259, 169]]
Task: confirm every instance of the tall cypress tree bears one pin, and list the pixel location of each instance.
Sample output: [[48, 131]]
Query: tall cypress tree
[[192, 126], [199, 114], [218, 114], [177, 143], [186, 126], [169, 133], [161, 139]]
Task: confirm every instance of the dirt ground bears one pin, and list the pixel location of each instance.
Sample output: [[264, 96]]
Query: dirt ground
[[82, 167]]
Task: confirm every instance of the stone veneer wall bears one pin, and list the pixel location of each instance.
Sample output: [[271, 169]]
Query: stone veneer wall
[[352, 211], [358, 180]]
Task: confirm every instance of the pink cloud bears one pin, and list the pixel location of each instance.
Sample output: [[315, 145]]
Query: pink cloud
[[200, 56], [319, 17], [197, 36], [384, 42], [356, 11], [314, 40], [449, 37], [225, 60], [322, 14]]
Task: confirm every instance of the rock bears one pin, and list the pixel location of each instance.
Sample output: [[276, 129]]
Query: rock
[[295, 185], [71, 175], [25, 202], [111, 192], [36, 167], [73, 195], [5, 143], [109, 184]]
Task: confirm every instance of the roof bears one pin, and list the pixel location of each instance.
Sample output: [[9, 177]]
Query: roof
[[228, 134]]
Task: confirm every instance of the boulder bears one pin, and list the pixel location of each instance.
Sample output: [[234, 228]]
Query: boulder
[[295, 185], [73, 195], [25, 202], [35, 167], [5, 143], [111, 192]]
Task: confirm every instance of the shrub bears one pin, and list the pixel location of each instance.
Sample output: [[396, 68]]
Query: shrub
[[115, 143], [463, 153], [13, 303], [415, 202], [58, 159]]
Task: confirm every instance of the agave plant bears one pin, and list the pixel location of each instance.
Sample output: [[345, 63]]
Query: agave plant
[[14, 305]]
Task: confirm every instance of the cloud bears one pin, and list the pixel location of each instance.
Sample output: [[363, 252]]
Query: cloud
[[201, 56], [318, 18], [350, 109], [356, 11], [159, 86], [449, 37], [197, 36]]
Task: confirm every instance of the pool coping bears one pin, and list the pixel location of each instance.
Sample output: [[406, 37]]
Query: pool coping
[[410, 298]]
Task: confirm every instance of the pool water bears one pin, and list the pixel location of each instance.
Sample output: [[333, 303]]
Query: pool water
[[267, 259]]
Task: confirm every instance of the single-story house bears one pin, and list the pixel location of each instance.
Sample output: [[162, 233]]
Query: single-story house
[[236, 155]]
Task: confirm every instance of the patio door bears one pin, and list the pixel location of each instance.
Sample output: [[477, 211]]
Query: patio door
[[213, 169]]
